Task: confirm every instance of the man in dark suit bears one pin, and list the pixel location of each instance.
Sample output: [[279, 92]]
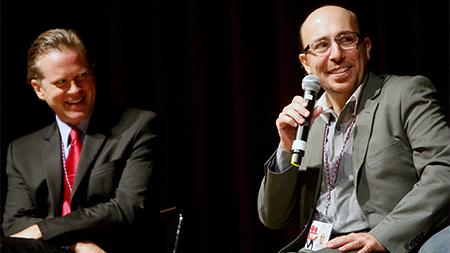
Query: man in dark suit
[[97, 206], [376, 169]]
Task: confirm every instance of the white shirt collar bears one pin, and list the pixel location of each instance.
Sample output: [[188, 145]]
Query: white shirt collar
[[328, 109], [64, 129]]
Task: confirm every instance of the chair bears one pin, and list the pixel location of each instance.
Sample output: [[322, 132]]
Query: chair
[[171, 223]]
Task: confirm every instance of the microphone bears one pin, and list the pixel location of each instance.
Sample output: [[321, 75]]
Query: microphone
[[310, 85]]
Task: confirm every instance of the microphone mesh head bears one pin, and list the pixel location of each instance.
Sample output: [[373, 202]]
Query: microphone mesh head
[[311, 82]]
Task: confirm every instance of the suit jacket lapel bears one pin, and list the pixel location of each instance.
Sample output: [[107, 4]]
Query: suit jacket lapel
[[364, 122], [315, 145], [97, 133], [91, 147], [51, 162]]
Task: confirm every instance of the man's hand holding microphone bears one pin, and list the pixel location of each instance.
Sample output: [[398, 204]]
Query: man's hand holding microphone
[[294, 121]]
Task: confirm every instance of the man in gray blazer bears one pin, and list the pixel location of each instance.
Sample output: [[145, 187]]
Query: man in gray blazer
[[109, 194], [377, 161]]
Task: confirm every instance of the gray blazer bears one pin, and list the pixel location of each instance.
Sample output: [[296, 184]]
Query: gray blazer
[[401, 161], [110, 188]]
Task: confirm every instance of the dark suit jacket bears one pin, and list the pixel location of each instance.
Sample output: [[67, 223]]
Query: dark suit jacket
[[111, 187], [401, 163]]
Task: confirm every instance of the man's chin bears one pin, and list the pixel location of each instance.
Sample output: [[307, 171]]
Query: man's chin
[[74, 118]]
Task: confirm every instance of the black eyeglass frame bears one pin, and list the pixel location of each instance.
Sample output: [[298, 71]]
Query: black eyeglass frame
[[359, 36]]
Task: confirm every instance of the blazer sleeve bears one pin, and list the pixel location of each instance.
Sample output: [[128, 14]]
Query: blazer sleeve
[[428, 133], [129, 198], [20, 211], [278, 195]]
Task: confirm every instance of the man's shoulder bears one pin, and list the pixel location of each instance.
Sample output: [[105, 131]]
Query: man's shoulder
[[44, 132], [397, 86], [405, 82], [31, 142], [130, 111], [120, 119], [135, 116], [117, 111]]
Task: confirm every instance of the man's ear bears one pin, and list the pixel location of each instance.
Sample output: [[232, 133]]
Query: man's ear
[[37, 89], [304, 61]]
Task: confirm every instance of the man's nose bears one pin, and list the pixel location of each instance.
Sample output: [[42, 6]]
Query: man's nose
[[336, 52], [73, 87]]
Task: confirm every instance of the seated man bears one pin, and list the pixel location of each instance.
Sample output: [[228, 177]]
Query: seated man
[[376, 170], [82, 183]]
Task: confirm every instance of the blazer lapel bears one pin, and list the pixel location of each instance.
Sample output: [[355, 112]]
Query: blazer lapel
[[91, 147], [99, 130], [315, 145], [364, 121], [52, 165]]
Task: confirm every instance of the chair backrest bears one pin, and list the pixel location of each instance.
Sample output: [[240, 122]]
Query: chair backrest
[[171, 223]]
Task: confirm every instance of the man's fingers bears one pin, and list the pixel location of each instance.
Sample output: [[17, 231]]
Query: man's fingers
[[364, 242]]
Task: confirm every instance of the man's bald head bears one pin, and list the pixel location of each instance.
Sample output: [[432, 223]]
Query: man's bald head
[[322, 18]]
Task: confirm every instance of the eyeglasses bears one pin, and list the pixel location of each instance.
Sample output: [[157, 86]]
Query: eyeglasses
[[346, 41]]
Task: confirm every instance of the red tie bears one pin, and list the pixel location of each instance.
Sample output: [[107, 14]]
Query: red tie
[[70, 168]]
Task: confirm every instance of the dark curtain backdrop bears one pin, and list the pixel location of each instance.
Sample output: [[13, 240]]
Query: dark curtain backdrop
[[217, 73]]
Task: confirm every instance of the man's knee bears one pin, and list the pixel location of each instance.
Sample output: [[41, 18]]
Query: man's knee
[[439, 242]]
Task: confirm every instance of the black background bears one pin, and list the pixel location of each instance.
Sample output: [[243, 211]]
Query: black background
[[217, 73]]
